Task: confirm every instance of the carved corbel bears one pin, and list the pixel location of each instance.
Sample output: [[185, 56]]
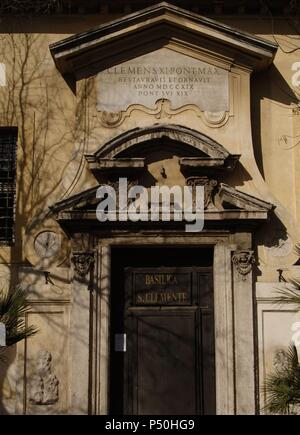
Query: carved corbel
[[209, 188], [243, 261], [82, 262]]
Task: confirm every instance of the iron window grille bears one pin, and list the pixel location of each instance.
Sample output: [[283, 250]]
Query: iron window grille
[[8, 150]]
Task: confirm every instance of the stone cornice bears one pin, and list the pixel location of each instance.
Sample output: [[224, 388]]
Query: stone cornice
[[80, 209], [65, 8], [85, 54]]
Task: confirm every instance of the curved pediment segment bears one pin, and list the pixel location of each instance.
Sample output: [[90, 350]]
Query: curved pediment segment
[[81, 201], [119, 145], [198, 151], [83, 55]]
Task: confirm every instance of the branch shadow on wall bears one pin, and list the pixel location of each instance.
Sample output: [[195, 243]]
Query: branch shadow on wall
[[48, 125], [269, 84]]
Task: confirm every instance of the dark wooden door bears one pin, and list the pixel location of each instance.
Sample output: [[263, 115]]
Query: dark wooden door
[[168, 342]]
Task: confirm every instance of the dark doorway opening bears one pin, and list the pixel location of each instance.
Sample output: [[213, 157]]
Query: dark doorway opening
[[165, 327]]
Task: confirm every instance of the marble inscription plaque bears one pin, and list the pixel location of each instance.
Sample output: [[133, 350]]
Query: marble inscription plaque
[[163, 74]]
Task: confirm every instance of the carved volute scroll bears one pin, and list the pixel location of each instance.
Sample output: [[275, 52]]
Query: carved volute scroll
[[82, 262], [209, 188], [243, 261]]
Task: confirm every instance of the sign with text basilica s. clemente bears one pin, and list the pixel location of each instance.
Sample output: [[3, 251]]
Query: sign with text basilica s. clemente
[[162, 288], [163, 74]]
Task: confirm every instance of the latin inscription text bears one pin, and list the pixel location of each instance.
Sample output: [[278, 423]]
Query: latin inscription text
[[163, 74]]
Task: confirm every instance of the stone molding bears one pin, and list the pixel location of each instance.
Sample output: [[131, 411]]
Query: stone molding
[[83, 55]]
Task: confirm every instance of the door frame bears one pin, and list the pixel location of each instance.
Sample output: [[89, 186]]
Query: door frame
[[233, 310]]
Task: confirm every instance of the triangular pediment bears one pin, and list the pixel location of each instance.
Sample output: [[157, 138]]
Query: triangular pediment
[[233, 199], [86, 54], [223, 204]]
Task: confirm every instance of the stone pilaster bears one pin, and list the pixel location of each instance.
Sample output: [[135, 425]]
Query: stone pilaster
[[242, 262], [82, 263]]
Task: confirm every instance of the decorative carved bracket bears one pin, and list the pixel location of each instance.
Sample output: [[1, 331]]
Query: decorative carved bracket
[[82, 262], [209, 187], [243, 261]]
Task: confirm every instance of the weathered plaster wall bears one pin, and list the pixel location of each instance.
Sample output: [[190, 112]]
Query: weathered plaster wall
[[56, 128]]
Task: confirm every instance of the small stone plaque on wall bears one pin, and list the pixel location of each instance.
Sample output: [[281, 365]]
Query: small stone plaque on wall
[[163, 74]]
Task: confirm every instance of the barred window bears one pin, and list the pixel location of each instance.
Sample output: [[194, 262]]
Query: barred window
[[8, 148]]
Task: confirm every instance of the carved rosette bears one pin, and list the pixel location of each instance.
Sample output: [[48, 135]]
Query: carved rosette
[[111, 119], [243, 261], [209, 187], [82, 262]]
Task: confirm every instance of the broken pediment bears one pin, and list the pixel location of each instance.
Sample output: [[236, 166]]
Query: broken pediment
[[227, 198], [234, 199], [197, 151], [131, 153], [192, 159], [222, 203], [162, 25]]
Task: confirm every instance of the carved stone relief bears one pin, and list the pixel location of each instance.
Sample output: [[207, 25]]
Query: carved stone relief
[[44, 386], [209, 187], [115, 184], [243, 261], [82, 262], [280, 361]]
